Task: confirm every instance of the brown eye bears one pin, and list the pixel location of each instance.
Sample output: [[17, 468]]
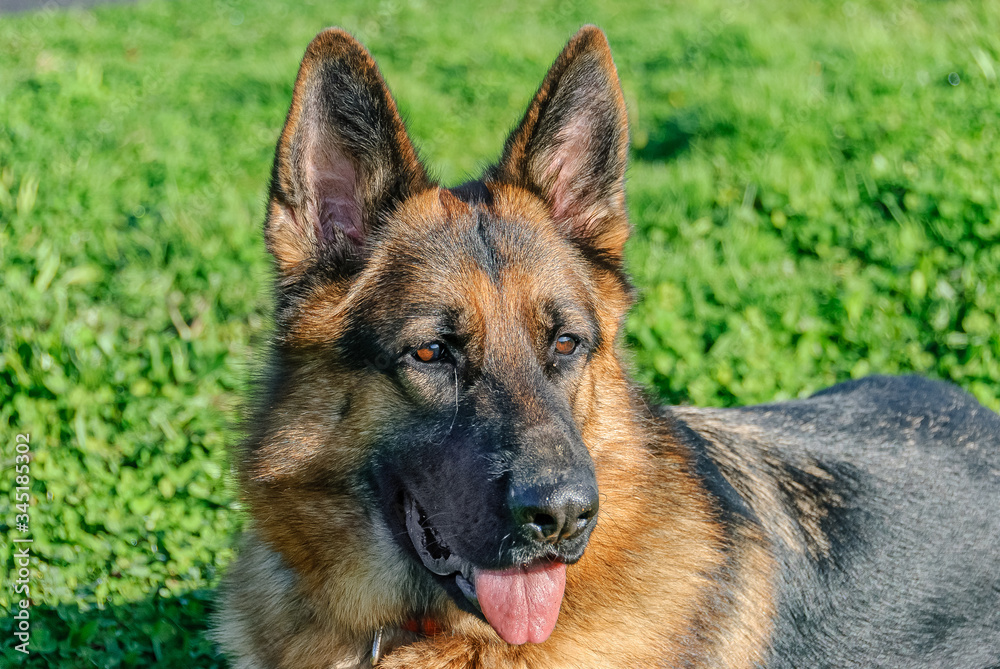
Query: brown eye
[[430, 352], [566, 344]]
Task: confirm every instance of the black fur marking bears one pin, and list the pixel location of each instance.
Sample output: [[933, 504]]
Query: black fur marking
[[473, 193], [909, 578], [729, 501]]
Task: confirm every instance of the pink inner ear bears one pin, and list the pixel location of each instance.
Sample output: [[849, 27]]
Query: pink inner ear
[[568, 163], [332, 181]]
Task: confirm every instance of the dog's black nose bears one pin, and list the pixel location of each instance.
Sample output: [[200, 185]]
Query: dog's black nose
[[557, 510]]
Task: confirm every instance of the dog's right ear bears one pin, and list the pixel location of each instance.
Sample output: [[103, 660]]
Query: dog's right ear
[[343, 160]]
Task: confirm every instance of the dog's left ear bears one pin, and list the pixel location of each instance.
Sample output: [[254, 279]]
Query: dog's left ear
[[571, 147]]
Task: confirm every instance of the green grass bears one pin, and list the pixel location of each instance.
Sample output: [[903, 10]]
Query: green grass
[[814, 188]]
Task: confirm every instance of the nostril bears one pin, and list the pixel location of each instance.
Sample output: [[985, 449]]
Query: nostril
[[582, 521], [551, 513], [546, 523], [542, 526]]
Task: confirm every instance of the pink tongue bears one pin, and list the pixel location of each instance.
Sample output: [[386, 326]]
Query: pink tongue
[[522, 604]]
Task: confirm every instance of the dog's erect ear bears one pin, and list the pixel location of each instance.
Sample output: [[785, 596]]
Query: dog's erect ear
[[343, 160], [571, 147]]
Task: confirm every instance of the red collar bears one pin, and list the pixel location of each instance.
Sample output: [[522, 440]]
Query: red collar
[[424, 626]]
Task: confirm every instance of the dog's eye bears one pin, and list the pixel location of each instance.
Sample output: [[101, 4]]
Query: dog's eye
[[566, 344], [430, 352]]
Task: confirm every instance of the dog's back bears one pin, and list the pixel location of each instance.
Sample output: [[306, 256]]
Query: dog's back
[[881, 496]]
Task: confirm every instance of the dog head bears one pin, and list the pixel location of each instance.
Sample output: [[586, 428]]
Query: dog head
[[430, 431]]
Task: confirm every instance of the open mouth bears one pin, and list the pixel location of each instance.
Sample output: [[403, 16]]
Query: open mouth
[[435, 553], [521, 603]]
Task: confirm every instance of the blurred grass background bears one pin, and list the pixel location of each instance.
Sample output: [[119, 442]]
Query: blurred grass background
[[814, 188]]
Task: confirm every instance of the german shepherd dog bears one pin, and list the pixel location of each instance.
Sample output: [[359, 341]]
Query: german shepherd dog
[[447, 465]]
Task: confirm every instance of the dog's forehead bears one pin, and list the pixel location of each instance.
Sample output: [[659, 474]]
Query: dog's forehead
[[482, 267], [447, 237]]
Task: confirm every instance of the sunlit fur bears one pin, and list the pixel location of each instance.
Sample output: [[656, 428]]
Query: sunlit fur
[[713, 525]]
